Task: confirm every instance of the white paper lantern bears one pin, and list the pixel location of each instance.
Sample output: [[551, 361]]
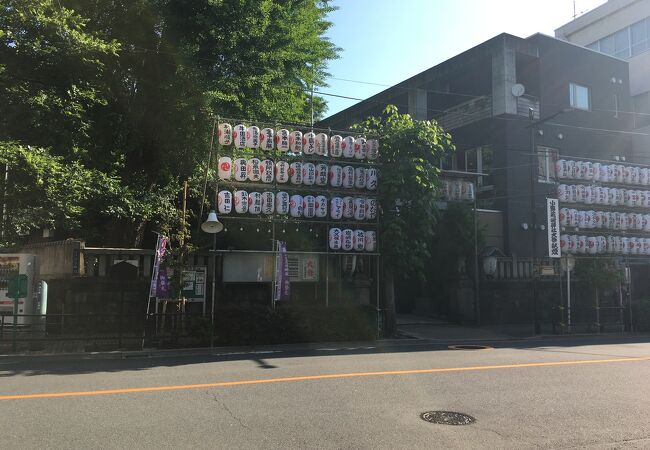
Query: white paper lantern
[[603, 195], [611, 244], [646, 223], [335, 235], [309, 206], [359, 208], [580, 197], [634, 246], [571, 169], [309, 143], [606, 221], [572, 193], [370, 241], [643, 177], [282, 202], [372, 149], [562, 192], [253, 169], [282, 171], [646, 246], [359, 240], [598, 219], [295, 141], [360, 148], [360, 178], [564, 218], [295, 172], [225, 168], [321, 144], [580, 170], [241, 202], [308, 174], [282, 140], [627, 175], [321, 206], [588, 195], [623, 221], [239, 135], [295, 206], [347, 147], [371, 208], [619, 172], [267, 170], [255, 203], [638, 221], [322, 174], [602, 244], [267, 139], [336, 208], [371, 179], [572, 243], [224, 134], [347, 239], [224, 202], [604, 173], [253, 137], [596, 171], [611, 173], [582, 244], [348, 207], [336, 176], [348, 177], [240, 169], [268, 202], [591, 245], [564, 244], [336, 149]]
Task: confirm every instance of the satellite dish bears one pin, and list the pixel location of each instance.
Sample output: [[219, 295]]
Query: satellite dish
[[518, 90]]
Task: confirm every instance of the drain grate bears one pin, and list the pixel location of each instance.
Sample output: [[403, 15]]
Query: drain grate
[[469, 347], [447, 418]]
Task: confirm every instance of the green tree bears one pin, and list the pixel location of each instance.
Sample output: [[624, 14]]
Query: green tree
[[411, 151], [128, 89]]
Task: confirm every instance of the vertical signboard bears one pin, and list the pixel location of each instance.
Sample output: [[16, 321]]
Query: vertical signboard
[[553, 227]]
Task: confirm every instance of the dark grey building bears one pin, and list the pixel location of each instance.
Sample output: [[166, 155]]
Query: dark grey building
[[514, 107], [485, 97]]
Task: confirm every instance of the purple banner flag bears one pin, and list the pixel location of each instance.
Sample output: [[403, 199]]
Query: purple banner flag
[[282, 286], [161, 250]]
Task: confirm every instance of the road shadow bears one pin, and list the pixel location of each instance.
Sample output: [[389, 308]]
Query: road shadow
[[11, 366]]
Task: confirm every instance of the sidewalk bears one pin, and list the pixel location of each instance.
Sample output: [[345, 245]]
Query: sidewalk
[[419, 327]]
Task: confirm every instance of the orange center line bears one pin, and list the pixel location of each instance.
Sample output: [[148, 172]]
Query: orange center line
[[317, 377]]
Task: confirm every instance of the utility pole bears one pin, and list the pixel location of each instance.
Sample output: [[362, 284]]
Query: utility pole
[[533, 215]]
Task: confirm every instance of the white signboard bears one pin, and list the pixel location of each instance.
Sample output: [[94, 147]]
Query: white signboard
[[553, 227]]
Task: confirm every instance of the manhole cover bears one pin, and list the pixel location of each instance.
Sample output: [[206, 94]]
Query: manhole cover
[[447, 418], [469, 347]]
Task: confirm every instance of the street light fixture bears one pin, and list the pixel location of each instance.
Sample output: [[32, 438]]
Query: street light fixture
[[212, 226]]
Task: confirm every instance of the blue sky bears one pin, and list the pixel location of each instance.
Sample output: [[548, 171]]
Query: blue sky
[[387, 41]]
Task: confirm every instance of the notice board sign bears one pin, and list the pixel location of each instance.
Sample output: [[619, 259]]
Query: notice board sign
[[194, 281]]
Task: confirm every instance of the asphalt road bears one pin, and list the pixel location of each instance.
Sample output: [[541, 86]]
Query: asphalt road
[[577, 393]]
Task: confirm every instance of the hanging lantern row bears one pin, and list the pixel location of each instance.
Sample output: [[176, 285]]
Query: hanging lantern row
[[597, 195], [296, 206], [594, 245], [349, 240], [298, 173], [457, 190], [619, 221], [295, 142], [605, 173]]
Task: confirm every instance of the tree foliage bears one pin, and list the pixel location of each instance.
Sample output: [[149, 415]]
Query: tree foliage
[[411, 152], [126, 91]]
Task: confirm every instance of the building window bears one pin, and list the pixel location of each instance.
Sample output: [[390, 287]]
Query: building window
[[627, 42], [546, 158], [480, 160], [639, 37], [578, 96]]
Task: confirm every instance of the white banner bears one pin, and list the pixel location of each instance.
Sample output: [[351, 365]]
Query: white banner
[[553, 227]]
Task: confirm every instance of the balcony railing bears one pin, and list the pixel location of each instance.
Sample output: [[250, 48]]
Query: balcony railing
[[467, 112]]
